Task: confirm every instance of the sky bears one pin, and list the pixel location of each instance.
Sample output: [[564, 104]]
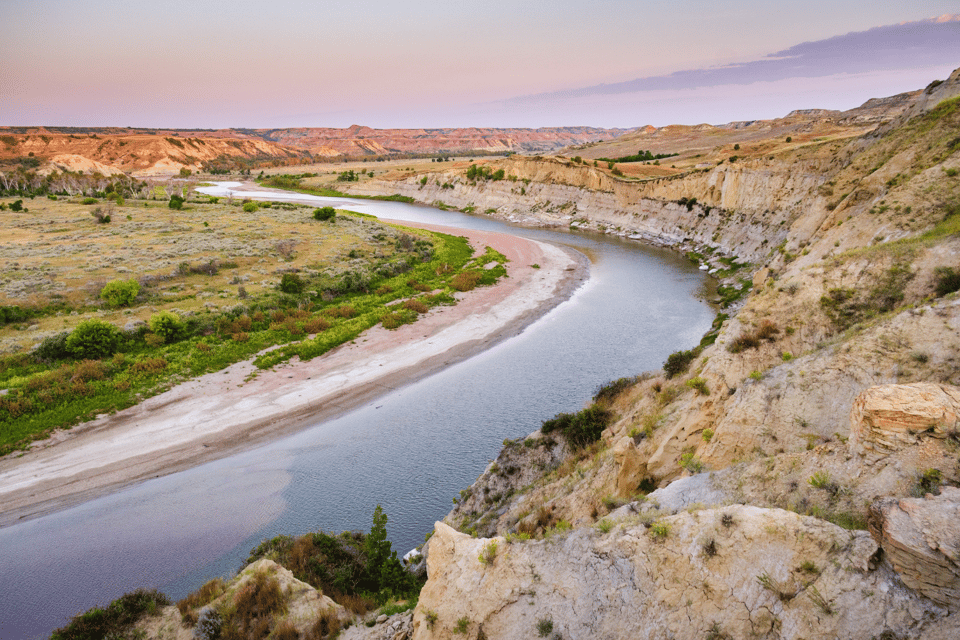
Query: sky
[[445, 63]]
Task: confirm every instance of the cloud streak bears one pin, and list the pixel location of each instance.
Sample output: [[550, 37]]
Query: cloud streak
[[910, 45]]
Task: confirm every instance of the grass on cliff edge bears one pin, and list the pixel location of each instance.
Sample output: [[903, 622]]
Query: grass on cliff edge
[[57, 389]]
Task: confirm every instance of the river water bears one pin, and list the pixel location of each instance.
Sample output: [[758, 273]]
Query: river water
[[411, 450]]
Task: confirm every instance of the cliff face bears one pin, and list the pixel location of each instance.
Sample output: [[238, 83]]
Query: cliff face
[[814, 403]]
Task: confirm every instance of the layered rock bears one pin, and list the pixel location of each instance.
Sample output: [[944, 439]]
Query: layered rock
[[886, 418], [920, 538]]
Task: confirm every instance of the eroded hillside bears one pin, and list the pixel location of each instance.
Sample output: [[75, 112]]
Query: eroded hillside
[[825, 402]]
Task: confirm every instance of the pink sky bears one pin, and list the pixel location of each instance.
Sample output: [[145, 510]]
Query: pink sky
[[214, 63]]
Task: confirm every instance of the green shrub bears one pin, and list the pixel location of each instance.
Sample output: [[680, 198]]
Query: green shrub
[[250, 207], [120, 293], [544, 627], [113, 621], [699, 384], [608, 392], [291, 283], [462, 625], [679, 361], [93, 339], [85, 201], [946, 280], [691, 462], [325, 213], [167, 325], [660, 531], [176, 202], [53, 348], [581, 428], [489, 554]]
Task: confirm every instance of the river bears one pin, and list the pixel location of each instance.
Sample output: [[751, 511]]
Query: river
[[411, 450]]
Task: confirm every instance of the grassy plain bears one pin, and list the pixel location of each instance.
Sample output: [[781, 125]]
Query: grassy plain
[[219, 269]]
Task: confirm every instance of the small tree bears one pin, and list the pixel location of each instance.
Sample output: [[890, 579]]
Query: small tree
[[324, 214], [93, 339], [120, 293], [176, 202]]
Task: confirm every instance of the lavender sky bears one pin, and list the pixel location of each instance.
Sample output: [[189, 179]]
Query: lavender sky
[[432, 63]]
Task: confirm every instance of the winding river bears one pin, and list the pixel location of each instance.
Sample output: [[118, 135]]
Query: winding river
[[411, 450]]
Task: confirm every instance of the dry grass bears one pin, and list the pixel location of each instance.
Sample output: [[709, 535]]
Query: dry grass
[[57, 253]]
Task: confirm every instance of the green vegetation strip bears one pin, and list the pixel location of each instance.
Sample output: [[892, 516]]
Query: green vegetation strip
[[293, 183], [75, 376]]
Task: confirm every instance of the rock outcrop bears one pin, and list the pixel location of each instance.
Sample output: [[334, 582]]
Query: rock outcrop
[[735, 572], [886, 418], [920, 538]]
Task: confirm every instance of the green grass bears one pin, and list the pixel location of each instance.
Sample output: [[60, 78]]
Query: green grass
[[292, 183]]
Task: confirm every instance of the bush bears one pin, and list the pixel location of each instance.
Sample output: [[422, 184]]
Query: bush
[[946, 280], [544, 627], [609, 392], [291, 283], [120, 293], [176, 202], [250, 207], [325, 213], [699, 384], [167, 325], [93, 339], [580, 428], [465, 280], [53, 348], [115, 620], [679, 361]]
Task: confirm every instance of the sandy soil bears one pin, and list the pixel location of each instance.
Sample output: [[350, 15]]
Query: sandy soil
[[223, 413]]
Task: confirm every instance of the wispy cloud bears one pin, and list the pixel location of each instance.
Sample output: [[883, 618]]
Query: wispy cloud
[[908, 45]]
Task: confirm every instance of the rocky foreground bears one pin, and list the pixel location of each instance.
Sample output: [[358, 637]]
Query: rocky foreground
[[796, 474]]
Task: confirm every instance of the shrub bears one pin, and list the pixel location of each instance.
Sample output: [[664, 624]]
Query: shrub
[[250, 207], [198, 599], [691, 462], [465, 280], [167, 325], [489, 554], [462, 625], [115, 620], [699, 384], [660, 531], [707, 434], [325, 213], [743, 342], [291, 283], [580, 428], [176, 202], [53, 348], [417, 306], [544, 627], [101, 216], [946, 280], [608, 392], [679, 361], [148, 367], [93, 339], [120, 293]]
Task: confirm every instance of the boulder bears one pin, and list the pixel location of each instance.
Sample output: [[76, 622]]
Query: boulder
[[920, 538], [888, 417]]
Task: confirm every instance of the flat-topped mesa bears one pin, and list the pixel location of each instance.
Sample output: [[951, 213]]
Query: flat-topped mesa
[[887, 418]]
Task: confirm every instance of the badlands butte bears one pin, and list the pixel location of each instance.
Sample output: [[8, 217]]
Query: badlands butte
[[794, 476]]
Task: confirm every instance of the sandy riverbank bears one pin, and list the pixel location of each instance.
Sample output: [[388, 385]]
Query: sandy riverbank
[[222, 413]]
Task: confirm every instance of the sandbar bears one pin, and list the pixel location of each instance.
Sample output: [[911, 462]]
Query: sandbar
[[222, 413]]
